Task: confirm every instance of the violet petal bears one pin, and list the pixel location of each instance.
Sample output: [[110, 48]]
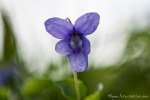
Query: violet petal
[[86, 45], [78, 61], [87, 23], [59, 28], [63, 47]]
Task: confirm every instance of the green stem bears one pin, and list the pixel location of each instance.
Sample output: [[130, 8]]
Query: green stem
[[76, 85]]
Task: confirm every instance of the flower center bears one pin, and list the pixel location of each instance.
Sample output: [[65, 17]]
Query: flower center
[[75, 42]]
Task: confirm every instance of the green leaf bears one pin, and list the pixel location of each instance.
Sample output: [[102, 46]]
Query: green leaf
[[68, 88], [96, 95], [3, 93], [39, 88]]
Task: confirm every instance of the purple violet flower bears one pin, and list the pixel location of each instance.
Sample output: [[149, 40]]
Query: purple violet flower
[[6, 74], [74, 44]]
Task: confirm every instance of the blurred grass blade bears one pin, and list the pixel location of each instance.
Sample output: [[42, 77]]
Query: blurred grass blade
[[9, 46], [68, 89]]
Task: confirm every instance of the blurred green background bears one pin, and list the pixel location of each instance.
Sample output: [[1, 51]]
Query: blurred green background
[[129, 78]]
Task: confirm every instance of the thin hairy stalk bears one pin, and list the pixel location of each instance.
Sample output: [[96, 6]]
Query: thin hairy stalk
[[76, 85]]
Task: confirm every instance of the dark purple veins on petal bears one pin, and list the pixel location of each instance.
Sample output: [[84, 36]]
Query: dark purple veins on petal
[[76, 42]]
